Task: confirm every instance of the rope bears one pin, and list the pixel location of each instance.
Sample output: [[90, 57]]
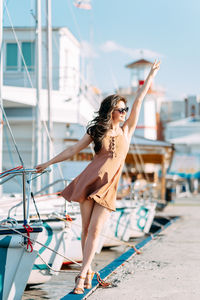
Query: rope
[[38, 214], [60, 271], [3, 174], [108, 237], [50, 194], [35, 241], [101, 281], [29, 243]]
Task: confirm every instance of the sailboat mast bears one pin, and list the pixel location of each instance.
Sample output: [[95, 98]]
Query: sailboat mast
[[49, 80], [1, 85], [38, 72]]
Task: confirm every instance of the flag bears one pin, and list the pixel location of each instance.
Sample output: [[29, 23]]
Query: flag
[[84, 4]]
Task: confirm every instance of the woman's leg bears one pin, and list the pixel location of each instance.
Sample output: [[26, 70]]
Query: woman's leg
[[86, 209], [98, 218], [98, 215]]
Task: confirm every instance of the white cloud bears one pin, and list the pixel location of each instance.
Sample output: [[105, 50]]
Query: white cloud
[[87, 50], [111, 46]]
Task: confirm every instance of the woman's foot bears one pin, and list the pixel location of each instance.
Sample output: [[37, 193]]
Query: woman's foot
[[88, 279], [79, 288]]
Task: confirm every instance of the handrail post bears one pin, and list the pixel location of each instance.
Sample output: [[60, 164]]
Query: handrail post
[[24, 197]]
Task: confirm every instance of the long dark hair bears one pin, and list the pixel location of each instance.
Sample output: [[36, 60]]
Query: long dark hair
[[98, 127]]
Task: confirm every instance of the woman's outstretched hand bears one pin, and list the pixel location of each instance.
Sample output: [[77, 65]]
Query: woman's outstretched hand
[[155, 67], [41, 167]]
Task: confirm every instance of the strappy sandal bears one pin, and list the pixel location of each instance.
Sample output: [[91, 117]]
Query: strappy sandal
[[88, 283], [78, 290]]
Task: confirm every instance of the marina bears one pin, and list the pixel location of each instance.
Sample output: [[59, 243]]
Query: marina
[[108, 260], [156, 272], [99, 161]]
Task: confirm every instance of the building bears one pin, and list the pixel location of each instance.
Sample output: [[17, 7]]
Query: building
[[184, 134], [65, 59], [149, 120], [73, 101], [173, 110]]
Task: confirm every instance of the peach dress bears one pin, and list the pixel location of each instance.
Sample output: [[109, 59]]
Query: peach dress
[[99, 180]]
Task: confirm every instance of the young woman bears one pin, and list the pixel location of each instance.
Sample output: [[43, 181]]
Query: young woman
[[96, 187]]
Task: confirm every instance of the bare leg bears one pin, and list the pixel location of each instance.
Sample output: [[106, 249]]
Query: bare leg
[[98, 215], [86, 208], [98, 218]]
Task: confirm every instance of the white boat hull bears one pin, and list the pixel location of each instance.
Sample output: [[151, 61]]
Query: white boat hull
[[56, 235], [74, 252], [16, 264]]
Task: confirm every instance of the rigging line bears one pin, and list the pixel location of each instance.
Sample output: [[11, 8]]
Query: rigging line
[[33, 36], [74, 19], [30, 81], [60, 271], [141, 159], [137, 165], [77, 71], [17, 180], [76, 23], [143, 165], [113, 77], [136, 158], [12, 136], [116, 239], [4, 5], [41, 244], [19, 47], [57, 47], [108, 64]]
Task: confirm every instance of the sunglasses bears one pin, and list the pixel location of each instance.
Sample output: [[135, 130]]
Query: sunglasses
[[122, 110]]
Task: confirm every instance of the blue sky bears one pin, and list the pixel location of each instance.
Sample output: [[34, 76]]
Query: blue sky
[[114, 30]]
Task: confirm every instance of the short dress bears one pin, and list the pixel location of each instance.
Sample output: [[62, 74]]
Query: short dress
[[99, 180]]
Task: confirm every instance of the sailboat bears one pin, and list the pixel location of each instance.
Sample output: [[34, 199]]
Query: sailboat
[[42, 263], [17, 247]]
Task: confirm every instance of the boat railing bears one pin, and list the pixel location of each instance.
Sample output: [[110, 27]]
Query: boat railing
[[26, 186], [66, 181]]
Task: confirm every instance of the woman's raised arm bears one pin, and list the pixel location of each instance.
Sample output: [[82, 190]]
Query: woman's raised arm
[[67, 153], [130, 123]]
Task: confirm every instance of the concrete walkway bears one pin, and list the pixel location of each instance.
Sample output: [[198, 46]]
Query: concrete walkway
[[169, 266]]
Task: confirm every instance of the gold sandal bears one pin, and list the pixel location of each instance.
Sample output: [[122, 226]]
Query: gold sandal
[[78, 290], [89, 276]]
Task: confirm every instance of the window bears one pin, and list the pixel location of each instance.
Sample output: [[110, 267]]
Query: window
[[28, 50], [11, 57]]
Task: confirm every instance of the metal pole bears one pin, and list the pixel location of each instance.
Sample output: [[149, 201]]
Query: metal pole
[[38, 71], [1, 85], [49, 81], [24, 197]]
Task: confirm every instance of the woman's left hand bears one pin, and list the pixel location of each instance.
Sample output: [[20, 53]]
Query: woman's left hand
[[155, 67]]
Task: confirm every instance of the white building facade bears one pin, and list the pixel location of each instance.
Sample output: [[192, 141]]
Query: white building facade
[[65, 59], [73, 101]]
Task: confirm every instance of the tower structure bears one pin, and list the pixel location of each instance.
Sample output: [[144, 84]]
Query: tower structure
[[149, 121]]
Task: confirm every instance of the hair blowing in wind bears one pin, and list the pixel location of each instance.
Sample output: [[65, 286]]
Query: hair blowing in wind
[[98, 127]]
